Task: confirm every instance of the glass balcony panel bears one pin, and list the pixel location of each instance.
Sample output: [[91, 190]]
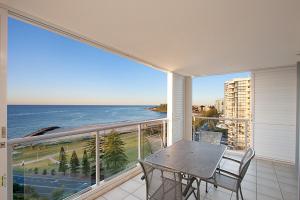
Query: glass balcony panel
[[119, 151], [152, 138], [230, 132], [53, 169]]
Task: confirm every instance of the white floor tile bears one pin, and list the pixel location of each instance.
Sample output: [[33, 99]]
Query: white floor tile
[[269, 191], [100, 198], [116, 194], [131, 197], [218, 195], [140, 192], [130, 186]]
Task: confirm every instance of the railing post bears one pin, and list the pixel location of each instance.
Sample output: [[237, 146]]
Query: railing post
[[97, 159], [164, 133], [139, 141]]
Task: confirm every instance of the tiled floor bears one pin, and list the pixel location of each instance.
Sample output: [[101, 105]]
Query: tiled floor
[[264, 180]]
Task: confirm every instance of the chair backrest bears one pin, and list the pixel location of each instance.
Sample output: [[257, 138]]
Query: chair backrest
[[245, 162], [162, 183], [210, 137]]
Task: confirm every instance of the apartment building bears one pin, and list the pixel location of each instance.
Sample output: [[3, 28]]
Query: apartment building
[[219, 105], [237, 99]]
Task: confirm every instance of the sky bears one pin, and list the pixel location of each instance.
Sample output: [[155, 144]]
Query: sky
[[45, 68], [210, 88]]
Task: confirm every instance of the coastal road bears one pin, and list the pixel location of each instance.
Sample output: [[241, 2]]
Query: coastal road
[[45, 185]]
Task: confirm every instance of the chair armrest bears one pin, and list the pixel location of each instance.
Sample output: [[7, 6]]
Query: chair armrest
[[231, 159], [229, 173]]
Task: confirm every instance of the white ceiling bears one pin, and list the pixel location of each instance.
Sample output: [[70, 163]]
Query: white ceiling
[[190, 37]]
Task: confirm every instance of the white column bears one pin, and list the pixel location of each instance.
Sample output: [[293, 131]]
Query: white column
[[298, 128], [6, 188], [179, 108], [188, 109]]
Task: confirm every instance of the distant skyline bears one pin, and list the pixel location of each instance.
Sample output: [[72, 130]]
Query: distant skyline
[[45, 68]]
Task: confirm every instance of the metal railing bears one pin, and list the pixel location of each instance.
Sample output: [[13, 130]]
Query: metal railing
[[234, 132], [26, 154]]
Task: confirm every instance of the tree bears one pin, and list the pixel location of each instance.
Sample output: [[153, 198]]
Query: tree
[[36, 170], [114, 155], [91, 151], [62, 161], [57, 194], [45, 172], [53, 172], [85, 164], [74, 163], [212, 112]]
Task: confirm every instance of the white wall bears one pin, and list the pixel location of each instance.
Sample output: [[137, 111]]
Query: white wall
[[274, 114], [179, 98]]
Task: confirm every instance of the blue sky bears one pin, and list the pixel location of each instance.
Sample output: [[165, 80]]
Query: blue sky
[[207, 89], [47, 68]]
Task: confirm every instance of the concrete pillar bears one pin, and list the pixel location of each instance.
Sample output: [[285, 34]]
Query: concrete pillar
[[179, 108], [5, 170], [188, 109], [298, 128]]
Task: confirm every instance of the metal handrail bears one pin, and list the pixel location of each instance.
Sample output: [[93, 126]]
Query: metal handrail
[[79, 131], [222, 118]]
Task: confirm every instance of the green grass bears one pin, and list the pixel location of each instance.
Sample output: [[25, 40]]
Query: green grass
[[52, 149]]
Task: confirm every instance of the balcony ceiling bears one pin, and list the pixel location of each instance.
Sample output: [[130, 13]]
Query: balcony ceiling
[[193, 37]]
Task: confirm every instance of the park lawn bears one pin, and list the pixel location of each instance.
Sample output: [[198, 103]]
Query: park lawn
[[28, 153]]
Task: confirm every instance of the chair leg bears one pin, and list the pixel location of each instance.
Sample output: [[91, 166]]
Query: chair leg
[[206, 187], [237, 195], [241, 193], [198, 189]]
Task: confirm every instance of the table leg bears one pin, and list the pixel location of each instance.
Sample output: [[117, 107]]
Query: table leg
[[198, 189]]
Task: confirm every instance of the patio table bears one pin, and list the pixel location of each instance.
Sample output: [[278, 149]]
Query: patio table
[[196, 159]]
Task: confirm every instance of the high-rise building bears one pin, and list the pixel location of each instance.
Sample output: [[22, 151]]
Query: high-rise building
[[219, 105], [237, 99]]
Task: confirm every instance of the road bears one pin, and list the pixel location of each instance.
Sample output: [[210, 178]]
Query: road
[[45, 185]]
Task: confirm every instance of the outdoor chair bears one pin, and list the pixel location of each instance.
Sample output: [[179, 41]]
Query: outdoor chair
[[163, 183], [210, 137], [230, 180]]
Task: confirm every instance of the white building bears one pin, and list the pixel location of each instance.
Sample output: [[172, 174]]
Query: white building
[[219, 105], [237, 93]]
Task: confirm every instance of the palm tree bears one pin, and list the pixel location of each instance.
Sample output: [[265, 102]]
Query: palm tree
[[114, 156]]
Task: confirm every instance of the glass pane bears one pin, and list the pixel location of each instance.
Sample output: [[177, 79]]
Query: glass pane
[[152, 138], [119, 151], [54, 169], [230, 132]]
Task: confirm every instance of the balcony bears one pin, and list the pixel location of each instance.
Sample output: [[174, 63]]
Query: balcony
[[36, 166], [185, 40]]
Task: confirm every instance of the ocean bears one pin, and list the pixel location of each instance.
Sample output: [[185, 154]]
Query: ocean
[[25, 119]]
